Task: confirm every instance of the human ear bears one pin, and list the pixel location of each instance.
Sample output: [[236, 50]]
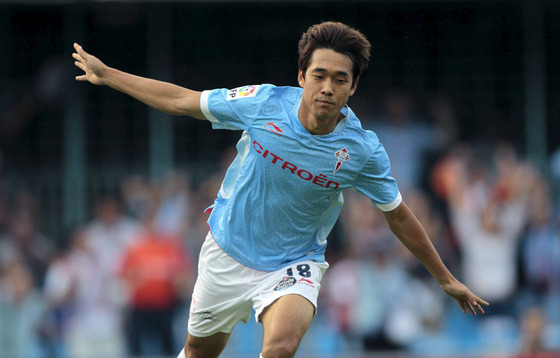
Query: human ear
[[301, 78], [354, 87]]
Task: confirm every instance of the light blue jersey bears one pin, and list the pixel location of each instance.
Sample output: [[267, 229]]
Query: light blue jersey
[[282, 194]]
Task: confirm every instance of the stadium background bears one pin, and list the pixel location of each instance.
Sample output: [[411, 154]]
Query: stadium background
[[64, 144]]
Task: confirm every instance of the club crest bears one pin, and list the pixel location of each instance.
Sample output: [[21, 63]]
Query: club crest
[[341, 157]]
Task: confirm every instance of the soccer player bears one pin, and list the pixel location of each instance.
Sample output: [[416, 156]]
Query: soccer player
[[299, 149]]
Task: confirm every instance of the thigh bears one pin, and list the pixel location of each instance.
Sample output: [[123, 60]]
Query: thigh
[[285, 322]]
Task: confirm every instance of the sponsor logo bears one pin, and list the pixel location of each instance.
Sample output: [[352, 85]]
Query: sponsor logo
[[285, 283], [204, 316], [270, 126], [320, 179], [341, 157], [306, 282], [242, 92]]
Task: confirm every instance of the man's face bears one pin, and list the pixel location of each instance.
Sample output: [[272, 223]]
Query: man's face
[[327, 84]]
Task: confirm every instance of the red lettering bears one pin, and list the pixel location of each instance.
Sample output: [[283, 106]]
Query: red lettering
[[332, 182], [320, 180], [308, 174], [290, 167], [276, 158]]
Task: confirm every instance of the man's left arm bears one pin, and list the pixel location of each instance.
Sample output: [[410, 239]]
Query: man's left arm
[[404, 224]]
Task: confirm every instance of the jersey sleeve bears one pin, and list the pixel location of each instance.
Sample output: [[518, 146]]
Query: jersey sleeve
[[375, 181], [234, 108]]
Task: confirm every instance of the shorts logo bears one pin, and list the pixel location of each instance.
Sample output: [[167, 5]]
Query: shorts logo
[[306, 282], [285, 283], [341, 157], [242, 92], [205, 316]]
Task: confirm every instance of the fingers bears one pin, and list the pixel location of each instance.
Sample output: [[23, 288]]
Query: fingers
[[472, 306], [80, 50], [478, 307], [80, 65], [80, 61], [461, 304], [77, 57], [478, 303], [80, 54], [466, 307]]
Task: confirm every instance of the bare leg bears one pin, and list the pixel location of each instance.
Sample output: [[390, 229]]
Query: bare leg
[[206, 347], [285, 322]]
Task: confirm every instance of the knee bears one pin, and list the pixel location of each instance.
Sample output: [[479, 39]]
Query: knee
[[285, 348], [205, 347], [193, 350]]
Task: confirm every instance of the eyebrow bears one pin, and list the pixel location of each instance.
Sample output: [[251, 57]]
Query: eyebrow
[[337, 73]]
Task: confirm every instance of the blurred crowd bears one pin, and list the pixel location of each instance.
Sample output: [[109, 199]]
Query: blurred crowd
[[119, 284]]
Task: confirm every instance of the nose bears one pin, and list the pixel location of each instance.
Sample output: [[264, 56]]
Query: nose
[[327, 87]]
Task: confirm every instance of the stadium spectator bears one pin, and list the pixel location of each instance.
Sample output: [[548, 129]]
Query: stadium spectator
[[157, 272], [110, 233], [174, 205], [84, 302], [533, 323], [21, 312], [540, 259], [137, 196], [489, 208], [24, 241], [106, 238], [541, 244]]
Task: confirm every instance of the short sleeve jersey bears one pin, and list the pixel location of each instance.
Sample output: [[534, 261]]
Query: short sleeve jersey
[[282, 194]]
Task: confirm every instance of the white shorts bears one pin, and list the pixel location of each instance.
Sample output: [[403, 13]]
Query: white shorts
[[225, 290]]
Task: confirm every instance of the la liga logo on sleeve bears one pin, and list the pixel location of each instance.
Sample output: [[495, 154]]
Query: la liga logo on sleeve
[[242, 92]]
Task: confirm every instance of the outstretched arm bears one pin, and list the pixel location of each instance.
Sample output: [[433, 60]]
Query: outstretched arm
[[162, 96], [410, 232]]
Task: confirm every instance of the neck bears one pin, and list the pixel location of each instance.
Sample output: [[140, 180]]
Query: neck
[[318, 126]]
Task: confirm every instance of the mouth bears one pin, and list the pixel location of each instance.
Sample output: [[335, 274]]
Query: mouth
[[325, 102]]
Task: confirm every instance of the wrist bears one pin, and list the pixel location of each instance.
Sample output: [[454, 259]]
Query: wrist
[[447, 281]]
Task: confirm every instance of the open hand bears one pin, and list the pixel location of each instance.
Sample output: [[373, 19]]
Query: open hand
[[467, 300], [91, 65]]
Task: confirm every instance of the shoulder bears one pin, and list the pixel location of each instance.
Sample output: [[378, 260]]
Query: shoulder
[[281, 93], [367, 138]]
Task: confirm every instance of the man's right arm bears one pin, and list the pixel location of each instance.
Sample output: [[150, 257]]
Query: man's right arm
[[163, 96]]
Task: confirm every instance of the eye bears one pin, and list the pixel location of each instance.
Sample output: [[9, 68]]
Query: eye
[[319, 77]]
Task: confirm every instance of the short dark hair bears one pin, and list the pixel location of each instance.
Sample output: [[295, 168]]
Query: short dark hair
[[338, 37]]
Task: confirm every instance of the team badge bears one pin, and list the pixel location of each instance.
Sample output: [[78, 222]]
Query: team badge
[[285, 283], [341, 157], [242, 92]]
